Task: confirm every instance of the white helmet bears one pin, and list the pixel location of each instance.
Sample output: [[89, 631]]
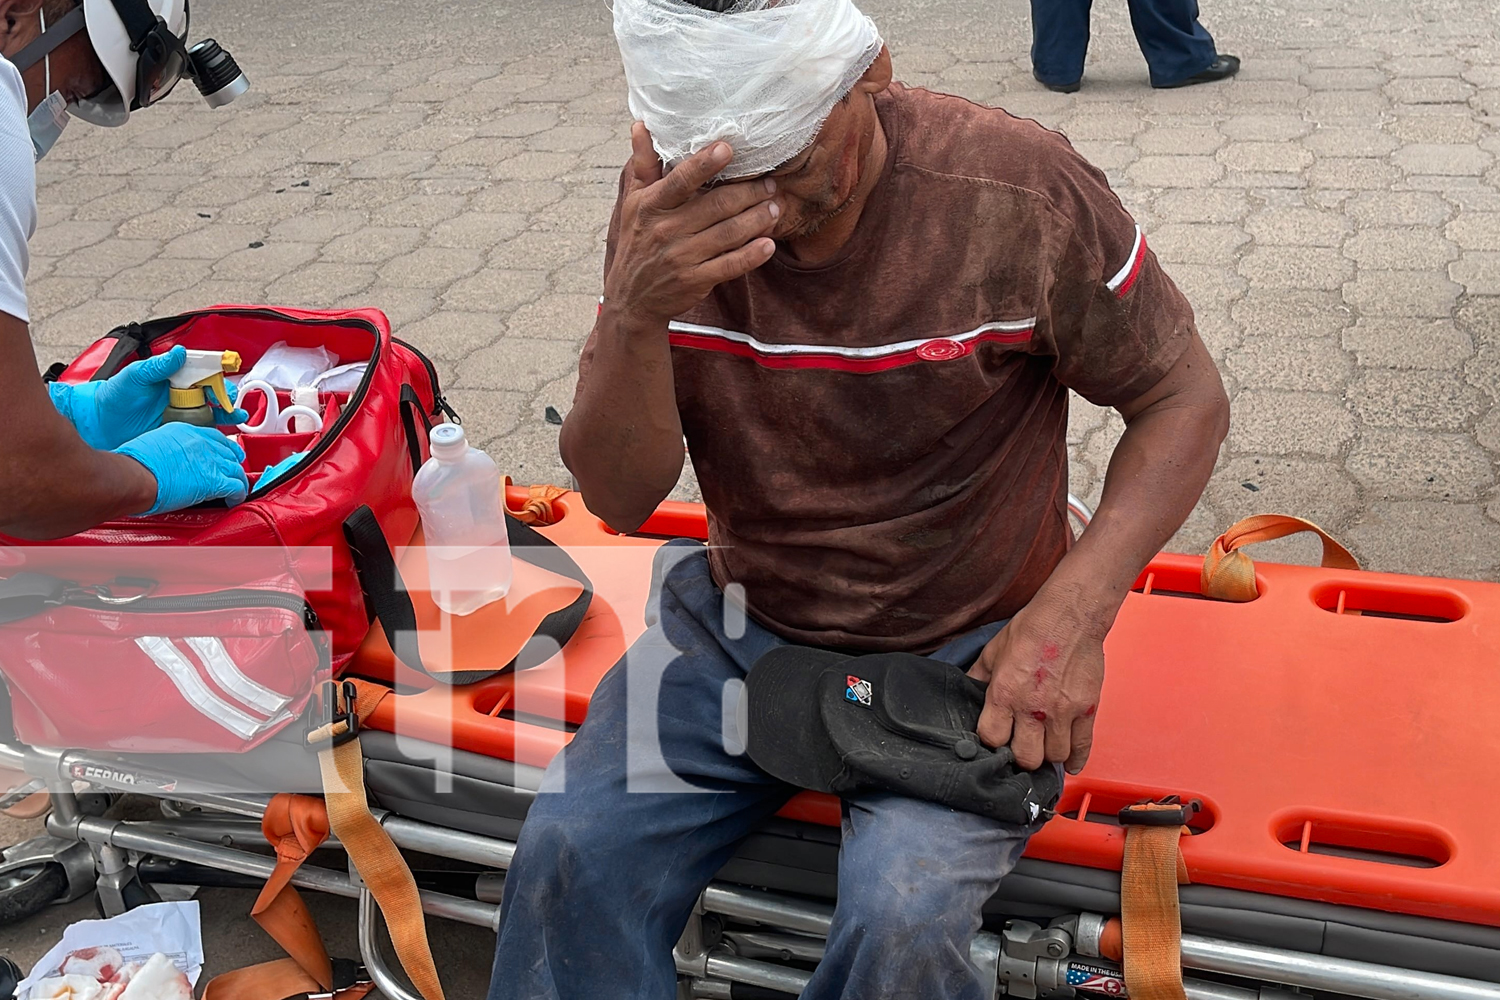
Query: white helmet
[[143, 47], [161, 28]]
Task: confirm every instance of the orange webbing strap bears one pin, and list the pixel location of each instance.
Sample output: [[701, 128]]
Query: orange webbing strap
[[272, 981], [1149, 908], [295, 825], [1229, 575], [370, 848], [538, 507]]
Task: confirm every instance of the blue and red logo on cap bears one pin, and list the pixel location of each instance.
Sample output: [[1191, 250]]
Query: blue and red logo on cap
[[858, 690]]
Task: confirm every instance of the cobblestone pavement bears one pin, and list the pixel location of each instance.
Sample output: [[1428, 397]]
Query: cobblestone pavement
[[1333, 214]]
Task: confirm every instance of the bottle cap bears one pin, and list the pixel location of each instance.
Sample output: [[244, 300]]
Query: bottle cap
[[448, 442]]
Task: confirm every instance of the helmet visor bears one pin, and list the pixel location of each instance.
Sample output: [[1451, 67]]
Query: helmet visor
[[160, 63]]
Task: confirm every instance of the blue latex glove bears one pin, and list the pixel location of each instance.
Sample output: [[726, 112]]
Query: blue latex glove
[[191, 464], [107, 414], [273, 472]]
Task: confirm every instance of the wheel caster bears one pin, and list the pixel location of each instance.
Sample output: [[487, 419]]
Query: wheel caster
[[28, 888], [132, 894]]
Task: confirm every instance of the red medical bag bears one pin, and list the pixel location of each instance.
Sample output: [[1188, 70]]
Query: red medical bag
[[250, 649]]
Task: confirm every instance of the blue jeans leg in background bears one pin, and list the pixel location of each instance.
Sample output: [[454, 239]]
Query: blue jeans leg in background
[[1175, 45], [606, 874], [1059, 40]]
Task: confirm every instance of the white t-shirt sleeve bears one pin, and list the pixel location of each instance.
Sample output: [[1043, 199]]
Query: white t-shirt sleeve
[[17, 192]]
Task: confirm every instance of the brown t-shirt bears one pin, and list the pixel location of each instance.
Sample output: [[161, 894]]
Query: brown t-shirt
[[881, 438]]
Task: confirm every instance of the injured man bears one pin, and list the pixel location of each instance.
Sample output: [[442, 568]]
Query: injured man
[[863, 305]]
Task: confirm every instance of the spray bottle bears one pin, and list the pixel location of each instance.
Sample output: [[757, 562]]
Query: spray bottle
[[202, 370]]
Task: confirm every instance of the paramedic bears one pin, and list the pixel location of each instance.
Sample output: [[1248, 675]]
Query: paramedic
[[866, 329], [75, 456]]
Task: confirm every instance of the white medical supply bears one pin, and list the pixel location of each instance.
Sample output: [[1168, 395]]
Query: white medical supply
[[457, 492], [762, 76], [344, 378], [288, 367], [138, 935], [299, 419], [306, 414]]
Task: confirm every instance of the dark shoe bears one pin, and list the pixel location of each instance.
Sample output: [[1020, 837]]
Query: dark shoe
[[1222, 68], [1061, 88]]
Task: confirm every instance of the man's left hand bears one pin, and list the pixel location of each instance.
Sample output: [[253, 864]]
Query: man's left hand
[[1045, 671]]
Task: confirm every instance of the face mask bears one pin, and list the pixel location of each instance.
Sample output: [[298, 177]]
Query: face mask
[[47, 122]]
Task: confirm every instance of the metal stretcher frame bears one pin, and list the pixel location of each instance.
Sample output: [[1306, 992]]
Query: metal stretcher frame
[[793, 926]]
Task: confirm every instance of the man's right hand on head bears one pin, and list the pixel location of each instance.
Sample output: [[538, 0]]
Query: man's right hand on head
[[678, 238], [192, 465]]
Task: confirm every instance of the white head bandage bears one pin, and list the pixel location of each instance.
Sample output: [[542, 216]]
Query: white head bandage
[[762, 76]]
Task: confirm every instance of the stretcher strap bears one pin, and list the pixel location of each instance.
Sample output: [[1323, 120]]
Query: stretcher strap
[[538, 508], [1150, 911], [390, 602], [296, 825], [1229, 575], [373, 854], [275, 980]]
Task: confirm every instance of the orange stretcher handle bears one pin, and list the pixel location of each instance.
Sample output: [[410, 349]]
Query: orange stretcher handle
[[1229, 575]]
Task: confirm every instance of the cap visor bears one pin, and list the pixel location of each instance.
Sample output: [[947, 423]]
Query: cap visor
[[785, 735]]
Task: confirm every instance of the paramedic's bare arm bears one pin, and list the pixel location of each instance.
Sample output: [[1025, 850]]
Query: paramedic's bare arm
[[51, 483], [623, 438], [1046, 668]]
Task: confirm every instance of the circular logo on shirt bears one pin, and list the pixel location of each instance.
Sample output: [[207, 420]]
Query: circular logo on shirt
[[941, 350]]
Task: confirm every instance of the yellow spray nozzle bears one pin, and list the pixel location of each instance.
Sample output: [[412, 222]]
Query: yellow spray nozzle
[[203, 370]]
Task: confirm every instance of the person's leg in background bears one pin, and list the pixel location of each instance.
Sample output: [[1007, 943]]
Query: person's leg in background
[[913, 879], [605, 873], [1059, 41], [1177, 48]]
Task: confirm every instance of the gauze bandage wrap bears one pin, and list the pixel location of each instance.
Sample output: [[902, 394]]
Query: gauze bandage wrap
[[762, 75]]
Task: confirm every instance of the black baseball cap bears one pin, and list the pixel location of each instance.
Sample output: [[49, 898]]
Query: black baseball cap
[[897, 722]]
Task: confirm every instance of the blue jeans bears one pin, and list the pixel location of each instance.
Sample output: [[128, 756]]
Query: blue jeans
[[1175, 45], [617, 846]]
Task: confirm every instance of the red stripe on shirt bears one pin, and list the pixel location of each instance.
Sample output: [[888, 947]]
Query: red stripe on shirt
[[838, 362], [1135, 271]]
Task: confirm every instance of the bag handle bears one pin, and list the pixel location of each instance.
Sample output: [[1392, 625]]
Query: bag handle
[[1228, 573], [411, 410], [390, 602], [26, 594]]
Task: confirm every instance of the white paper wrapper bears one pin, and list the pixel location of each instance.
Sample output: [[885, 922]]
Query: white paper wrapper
[[170, 928]]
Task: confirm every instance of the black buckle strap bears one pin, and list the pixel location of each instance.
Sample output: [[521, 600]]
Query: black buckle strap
[[1142, 813], [328, 706]]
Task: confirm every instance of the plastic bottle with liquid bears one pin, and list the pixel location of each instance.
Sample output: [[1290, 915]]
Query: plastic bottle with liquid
[[457, 492]]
